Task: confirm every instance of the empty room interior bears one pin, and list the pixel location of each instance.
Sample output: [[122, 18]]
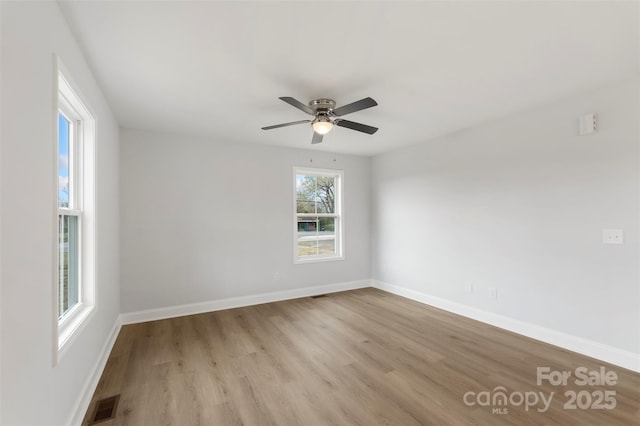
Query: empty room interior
[[319, 213]]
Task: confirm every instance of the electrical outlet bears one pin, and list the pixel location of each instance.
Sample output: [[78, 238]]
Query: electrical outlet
[[493, 293], [468, 287], [276, 276]]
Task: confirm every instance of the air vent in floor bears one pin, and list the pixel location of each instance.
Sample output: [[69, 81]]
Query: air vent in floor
[[105, 409]]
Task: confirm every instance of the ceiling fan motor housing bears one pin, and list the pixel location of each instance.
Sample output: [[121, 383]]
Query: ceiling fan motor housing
[[322, 105]]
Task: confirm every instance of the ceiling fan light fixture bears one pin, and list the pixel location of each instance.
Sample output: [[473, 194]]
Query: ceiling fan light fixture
[[322, 125]]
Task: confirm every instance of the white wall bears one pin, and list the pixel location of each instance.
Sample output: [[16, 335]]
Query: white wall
[[204, 221], [33, 391], [520, 204]]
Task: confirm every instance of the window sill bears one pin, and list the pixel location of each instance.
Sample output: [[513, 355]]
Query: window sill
[[299, 261], [70, 326]]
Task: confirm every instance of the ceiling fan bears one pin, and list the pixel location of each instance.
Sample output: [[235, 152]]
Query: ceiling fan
[[326, 115]]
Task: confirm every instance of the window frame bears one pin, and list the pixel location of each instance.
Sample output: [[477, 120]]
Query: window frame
[[338, 214], [82, 166]]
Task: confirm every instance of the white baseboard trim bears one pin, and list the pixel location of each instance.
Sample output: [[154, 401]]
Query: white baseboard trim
[[89, 388], [238, 302], [580, 345]]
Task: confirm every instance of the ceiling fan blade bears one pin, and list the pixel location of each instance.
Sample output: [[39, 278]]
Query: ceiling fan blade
[[296, 103], [317, 138], [356, 126], [275, 126], [355, 106]]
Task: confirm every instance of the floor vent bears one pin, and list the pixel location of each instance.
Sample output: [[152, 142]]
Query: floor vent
[[105, 409], [318, 296]]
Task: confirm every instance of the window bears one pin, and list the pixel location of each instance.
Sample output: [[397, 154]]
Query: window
[[318, 217], [74, 278]]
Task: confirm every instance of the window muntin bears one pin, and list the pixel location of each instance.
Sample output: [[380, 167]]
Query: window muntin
[[318, 230]]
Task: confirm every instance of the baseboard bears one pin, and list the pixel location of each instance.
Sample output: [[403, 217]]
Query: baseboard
[[238, 302], [580, 345], [82, 405]]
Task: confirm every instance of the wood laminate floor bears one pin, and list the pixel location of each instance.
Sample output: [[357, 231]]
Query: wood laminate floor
[[362, 357]]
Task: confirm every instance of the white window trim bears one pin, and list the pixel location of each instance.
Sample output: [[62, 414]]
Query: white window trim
[[339, 214], [69, 101]]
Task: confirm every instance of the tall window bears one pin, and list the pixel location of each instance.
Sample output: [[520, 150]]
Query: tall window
[[75, 162], [318, 216]]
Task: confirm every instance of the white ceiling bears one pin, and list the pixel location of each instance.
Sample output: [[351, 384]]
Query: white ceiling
[[216, 69]]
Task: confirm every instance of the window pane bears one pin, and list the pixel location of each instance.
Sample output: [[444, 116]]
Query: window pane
[[67, 263], [327, 246], [325, 191], [306, 194], [307, 226], [63, 161], [326, 225], [307, 248]]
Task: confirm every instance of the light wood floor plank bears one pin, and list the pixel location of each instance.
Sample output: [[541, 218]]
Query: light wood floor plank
[[363, 357]]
